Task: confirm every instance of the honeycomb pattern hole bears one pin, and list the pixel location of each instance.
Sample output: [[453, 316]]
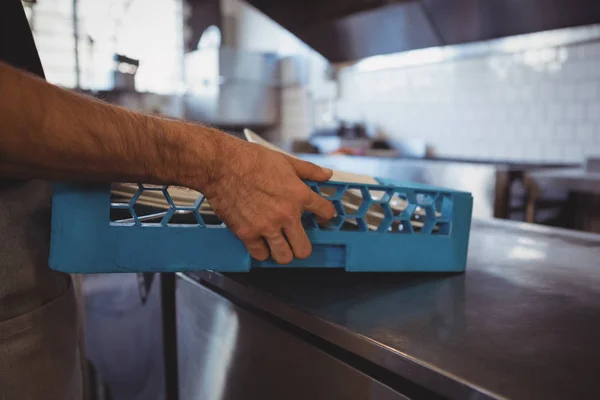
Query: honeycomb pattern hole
[[350, 207], [127, 204], [424, 219], [332, 192], [417, 220], [398, 203], [381, 196], [150, 204], [183, 197], [378, 217], [355, 201], [149, 199]]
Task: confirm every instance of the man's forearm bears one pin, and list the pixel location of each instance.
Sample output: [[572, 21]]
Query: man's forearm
[[51, 133], [258, 193]]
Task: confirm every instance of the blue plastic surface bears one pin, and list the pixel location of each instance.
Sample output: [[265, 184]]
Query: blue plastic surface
[[84, 240]]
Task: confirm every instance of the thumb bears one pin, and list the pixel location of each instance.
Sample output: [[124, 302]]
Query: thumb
[[310, 171]]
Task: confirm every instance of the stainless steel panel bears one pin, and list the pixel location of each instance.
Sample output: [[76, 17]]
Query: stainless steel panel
[[295, 15], [523, 322], [218, 65], [226, 352], [390, 29], [123, 335], [244, 66], [229, 87], [352, 30], [507, 45], [235, 103], [461, 21]]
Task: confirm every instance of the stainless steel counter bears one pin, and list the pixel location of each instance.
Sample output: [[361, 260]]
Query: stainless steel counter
[[582, 184], [573, 179], [523, 322]]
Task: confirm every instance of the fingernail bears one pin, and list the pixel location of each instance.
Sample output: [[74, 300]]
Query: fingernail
[[327, 170]]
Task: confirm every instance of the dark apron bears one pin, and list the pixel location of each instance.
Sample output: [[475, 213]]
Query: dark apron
[[38, 325]]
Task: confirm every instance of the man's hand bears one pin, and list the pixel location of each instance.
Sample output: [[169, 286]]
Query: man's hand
[[259, 195], [51, 133]]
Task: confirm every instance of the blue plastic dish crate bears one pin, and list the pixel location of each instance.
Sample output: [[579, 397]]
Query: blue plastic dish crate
[[429, 233]]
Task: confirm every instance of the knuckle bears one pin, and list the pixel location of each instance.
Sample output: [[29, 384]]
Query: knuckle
[[270, 229], [254, 245], [245, 233], [263, 229], [277, 240], [259, 255], [266, 227], [285, 213], [306, 195]]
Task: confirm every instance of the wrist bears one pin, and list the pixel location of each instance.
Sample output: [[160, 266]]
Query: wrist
[[194, 156]]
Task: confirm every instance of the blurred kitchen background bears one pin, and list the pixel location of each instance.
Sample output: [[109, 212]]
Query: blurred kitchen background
[[501, 98]]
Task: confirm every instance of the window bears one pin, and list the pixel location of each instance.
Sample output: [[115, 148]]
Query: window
[[151, 32]]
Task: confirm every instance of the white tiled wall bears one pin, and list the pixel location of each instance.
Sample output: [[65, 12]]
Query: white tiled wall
[[542, 104], [538, 105]]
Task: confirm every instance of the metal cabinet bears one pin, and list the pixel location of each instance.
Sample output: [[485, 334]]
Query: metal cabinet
[[226, 351]]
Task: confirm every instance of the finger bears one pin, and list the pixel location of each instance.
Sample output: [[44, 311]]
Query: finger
[[296, 236], [310, 171], [258, 249], [280, 248], [322, 208], [321, 221]]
